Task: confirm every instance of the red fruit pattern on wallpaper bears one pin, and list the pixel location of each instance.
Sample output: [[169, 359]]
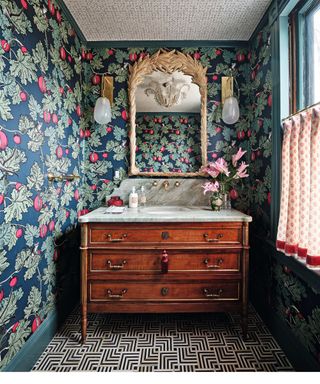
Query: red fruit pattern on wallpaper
[[233, 194], [46, 117], [59, 152], [58, 17], [35, 323], [5, 45], [15, 326], [19, 233], [124, 115], [76, 194], [24, 4], [51, 7], [96, 79], [37, 203], [269, 198], [55, 118], [43, 230], [241, 57], [63, 53], [93, 157], [51, 225], [89, 56], [3, 140], [13, 281], [42, 84], [23, 96], [78, 110]]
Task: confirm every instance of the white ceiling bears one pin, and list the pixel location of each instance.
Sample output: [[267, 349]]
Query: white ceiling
[[119, 20]]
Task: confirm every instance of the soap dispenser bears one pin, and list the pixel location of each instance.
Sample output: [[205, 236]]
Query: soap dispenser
[[133, 198], [143, 197]]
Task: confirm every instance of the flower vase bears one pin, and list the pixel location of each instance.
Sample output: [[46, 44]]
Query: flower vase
[[216, 201], [226, 202]]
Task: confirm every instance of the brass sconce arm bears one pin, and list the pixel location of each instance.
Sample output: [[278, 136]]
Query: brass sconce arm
[[52, 177]]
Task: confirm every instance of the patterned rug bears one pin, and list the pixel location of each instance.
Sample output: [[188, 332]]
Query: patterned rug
[[163, 343]]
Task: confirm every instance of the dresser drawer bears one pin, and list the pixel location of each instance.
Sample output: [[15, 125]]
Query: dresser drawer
[[117, 261], [226, 233], [166, 291]]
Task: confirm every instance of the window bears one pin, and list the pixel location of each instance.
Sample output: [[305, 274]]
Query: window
[[304, 31]]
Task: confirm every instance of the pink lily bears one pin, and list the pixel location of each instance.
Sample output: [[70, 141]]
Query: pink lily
[[237, 156], [211, 170], [222, 166], [210, 187], [242, 171]]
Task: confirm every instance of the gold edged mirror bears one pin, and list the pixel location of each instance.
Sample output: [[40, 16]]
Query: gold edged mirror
[[166, 84]]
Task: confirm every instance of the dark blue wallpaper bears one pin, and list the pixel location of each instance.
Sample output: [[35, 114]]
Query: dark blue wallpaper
[[40, 109]]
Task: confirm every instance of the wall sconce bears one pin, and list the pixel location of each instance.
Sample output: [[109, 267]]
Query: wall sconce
[[102, 109], [230, 111]]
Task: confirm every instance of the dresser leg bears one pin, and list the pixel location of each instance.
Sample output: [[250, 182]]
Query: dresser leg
[[83, 324], [84, 280]]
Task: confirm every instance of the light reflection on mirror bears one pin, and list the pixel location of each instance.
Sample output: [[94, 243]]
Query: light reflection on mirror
[[168, 92]]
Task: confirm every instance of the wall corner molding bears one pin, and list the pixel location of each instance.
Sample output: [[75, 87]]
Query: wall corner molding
[[28, 355]]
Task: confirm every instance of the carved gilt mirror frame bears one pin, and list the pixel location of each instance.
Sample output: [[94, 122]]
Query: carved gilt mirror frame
[[167, 62]]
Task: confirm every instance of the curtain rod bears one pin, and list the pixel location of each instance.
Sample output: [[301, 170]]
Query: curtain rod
[[301, 110]]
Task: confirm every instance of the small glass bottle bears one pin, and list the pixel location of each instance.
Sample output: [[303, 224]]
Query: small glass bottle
[[143, 197], [133, 198]]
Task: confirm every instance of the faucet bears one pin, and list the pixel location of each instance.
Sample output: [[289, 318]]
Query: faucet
[[165, 185]]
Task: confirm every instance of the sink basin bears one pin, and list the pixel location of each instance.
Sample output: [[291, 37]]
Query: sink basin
[[164, 210]]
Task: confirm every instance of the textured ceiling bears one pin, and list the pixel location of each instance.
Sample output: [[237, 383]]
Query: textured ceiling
[[118, 20]]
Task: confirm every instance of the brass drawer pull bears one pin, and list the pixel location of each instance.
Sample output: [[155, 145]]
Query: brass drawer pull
[[213, 266], [116, 266], [164, 291], [207, 294], [165, 235], [116, 295], [219, 236], [109, 238]]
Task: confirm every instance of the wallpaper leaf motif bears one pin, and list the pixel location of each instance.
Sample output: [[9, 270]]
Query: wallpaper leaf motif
[[40, 113]]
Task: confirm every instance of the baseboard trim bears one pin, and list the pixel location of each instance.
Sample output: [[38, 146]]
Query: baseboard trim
[[26, 358], [298, 355]]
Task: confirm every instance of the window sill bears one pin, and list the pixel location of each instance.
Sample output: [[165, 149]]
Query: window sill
[[310, 276]]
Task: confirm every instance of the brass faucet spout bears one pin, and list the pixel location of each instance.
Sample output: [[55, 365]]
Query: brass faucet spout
[[166, 185]]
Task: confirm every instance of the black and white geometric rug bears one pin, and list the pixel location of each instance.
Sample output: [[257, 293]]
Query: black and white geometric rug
[[203, 342]]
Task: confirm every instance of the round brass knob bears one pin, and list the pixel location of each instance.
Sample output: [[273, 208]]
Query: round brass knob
[[164, 291]]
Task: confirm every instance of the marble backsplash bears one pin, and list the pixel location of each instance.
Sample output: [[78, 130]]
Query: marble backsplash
[[179, 192]]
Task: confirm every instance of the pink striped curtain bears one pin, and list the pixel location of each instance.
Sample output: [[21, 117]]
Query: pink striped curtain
[[299, 221]]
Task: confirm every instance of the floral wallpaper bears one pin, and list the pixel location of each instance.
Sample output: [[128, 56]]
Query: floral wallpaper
[[299, 306], [40, 110], [168, 143], [288, 295], [48, 86], [253, 133]]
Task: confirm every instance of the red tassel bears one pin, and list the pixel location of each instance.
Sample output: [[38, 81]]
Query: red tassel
[[164, 262]]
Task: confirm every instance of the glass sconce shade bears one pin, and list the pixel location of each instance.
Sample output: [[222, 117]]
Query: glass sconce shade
[[102, 111], [230, 111]]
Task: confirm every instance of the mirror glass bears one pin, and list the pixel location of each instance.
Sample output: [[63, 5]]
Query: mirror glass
[[167, 94]]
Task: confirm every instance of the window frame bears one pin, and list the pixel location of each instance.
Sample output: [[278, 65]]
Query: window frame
[[298, 36]]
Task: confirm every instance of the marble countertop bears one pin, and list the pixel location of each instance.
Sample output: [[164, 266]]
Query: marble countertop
[[164, 214]]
